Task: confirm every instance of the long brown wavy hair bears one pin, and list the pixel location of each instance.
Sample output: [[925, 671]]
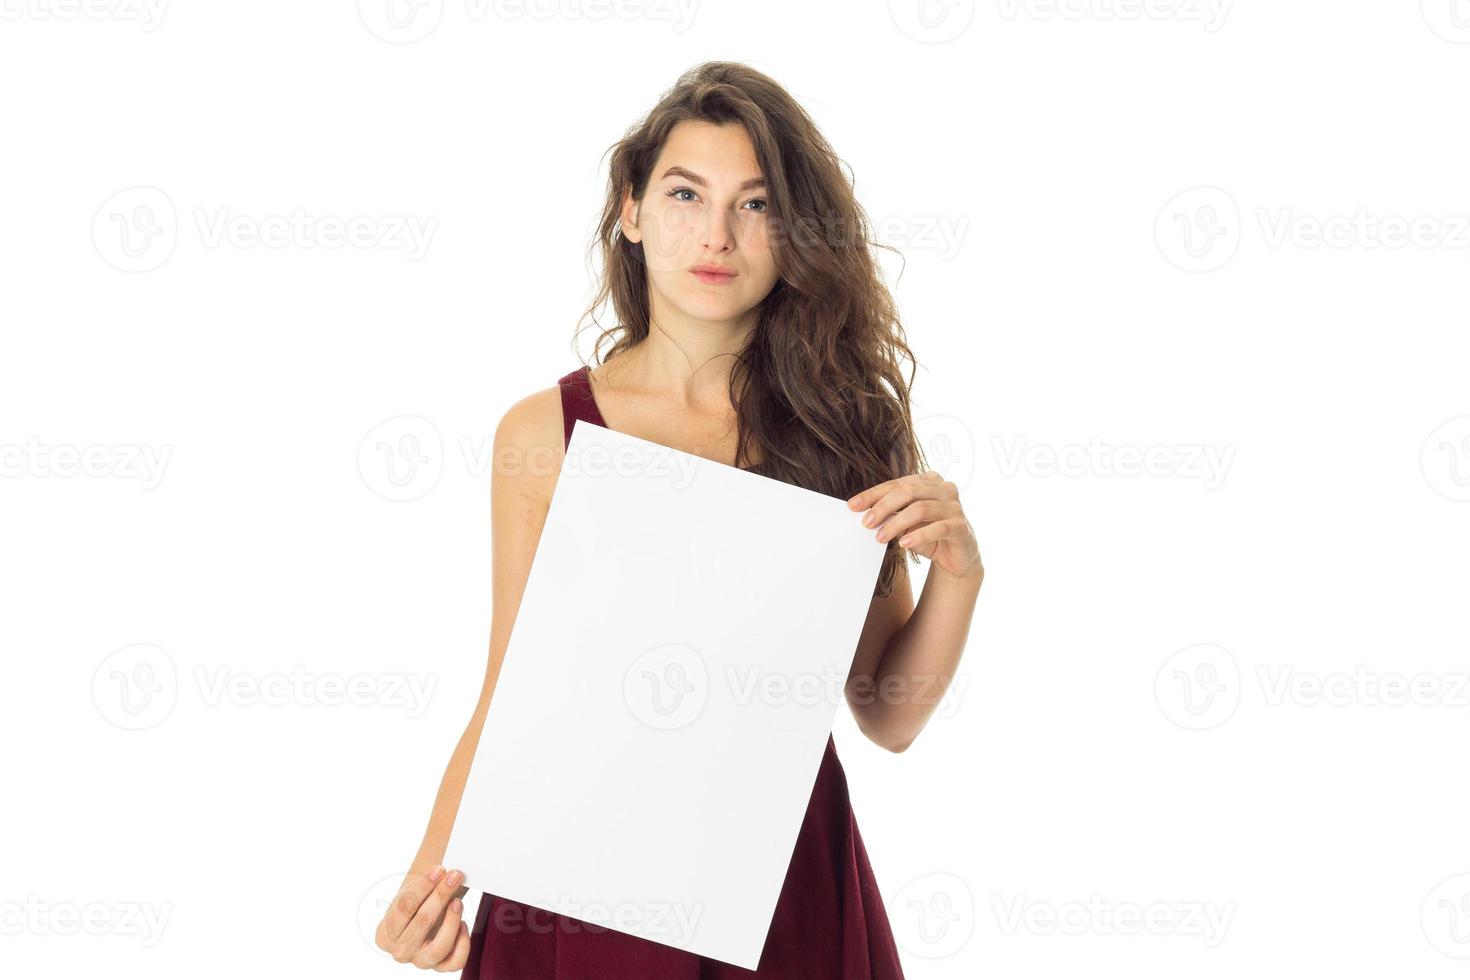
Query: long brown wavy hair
[[818, 389]]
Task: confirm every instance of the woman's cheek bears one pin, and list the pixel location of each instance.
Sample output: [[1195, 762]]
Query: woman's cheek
[[667, 238]]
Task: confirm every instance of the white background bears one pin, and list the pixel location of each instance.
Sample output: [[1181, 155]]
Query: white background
[[1187, 230]]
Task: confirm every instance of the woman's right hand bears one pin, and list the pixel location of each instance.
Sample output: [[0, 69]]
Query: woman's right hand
[[411, 929]]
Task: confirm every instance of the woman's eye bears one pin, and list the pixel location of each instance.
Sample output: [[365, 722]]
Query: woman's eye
[[760, 202]]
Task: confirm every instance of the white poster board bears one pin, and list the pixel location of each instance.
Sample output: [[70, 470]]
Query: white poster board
[[667, 695]]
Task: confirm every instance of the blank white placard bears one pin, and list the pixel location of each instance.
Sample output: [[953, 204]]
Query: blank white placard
[[667, 695]]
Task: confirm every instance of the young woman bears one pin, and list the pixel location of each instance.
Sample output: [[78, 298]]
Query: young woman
[[752, 328]]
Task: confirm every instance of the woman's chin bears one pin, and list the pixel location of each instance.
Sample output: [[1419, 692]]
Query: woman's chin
[[710, 308]]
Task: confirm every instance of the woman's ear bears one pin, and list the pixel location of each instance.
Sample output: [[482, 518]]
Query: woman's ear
[[628, 222]]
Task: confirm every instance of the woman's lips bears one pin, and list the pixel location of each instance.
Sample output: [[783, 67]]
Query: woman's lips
[[712, 277]]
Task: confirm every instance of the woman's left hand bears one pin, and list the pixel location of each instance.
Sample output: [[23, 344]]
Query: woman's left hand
[[923, 511]]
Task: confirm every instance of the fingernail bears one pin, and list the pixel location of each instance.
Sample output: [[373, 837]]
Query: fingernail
[[455, 877], [436, 872], [455, 906], [868, 519]]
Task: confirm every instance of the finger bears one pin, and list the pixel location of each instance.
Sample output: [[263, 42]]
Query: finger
[[405, 904], [461, 953], [916, 515], [928, 534], [883, 507], [437, 948], [904, 491], [864, 500], [428, 914]]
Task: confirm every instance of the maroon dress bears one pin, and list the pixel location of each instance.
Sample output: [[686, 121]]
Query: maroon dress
[[829, 924]]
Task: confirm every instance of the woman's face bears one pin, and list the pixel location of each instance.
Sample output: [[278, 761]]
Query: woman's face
[[705, 205]]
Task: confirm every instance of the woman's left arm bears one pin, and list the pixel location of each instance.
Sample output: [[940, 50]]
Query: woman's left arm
[[908, 653]]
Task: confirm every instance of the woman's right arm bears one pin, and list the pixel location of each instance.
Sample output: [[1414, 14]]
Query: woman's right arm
[[423, 924]]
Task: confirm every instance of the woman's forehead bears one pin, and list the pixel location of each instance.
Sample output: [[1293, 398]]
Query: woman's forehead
[[716, 152]]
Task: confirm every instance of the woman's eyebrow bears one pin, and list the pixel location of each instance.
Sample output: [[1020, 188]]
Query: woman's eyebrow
[[694, 178]]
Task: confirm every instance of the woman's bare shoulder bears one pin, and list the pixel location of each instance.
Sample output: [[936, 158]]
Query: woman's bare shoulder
[[529, 444]]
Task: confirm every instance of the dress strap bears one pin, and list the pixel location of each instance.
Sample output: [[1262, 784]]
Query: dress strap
[[577, 401]]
